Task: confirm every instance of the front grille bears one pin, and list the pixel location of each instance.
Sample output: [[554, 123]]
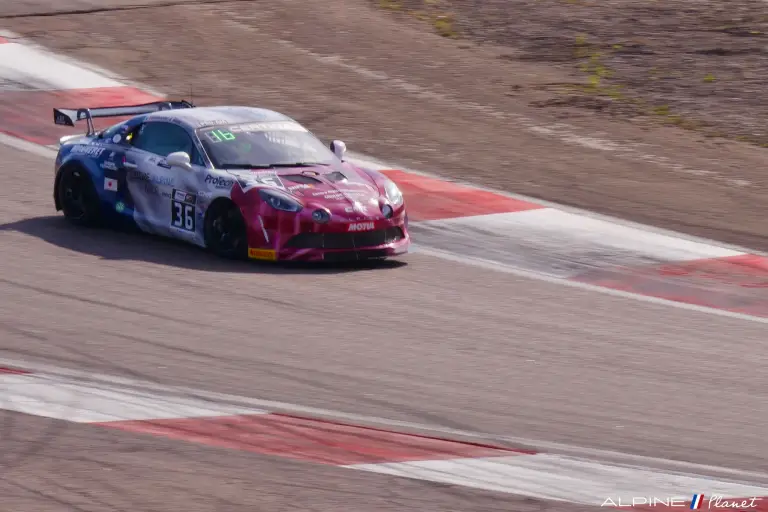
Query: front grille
[[349, 256], [346, 240]]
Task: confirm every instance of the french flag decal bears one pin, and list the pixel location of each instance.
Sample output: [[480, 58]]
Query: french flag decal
[[696, 501]]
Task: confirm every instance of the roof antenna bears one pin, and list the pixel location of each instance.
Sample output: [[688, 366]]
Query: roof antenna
[[191, 98]]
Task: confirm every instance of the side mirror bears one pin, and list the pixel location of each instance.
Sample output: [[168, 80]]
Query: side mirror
[[339, 148], [179, 159]]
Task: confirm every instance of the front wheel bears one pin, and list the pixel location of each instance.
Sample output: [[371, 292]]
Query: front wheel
[[78, 198], [225, 231]]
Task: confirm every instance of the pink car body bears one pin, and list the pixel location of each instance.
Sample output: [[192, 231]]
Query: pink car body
[[359, 221]]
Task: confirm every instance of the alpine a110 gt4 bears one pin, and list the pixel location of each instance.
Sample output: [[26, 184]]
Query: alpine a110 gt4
[[242, 182]]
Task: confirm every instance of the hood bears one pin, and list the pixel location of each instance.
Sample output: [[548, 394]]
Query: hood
[[343, 189]]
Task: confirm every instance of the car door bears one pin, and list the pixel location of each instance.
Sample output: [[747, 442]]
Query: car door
[[164, 196]]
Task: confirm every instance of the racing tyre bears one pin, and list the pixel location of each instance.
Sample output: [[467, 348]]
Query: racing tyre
[[225, 231], [78, 198]]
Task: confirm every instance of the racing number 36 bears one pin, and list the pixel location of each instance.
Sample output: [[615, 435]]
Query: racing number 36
[[183, 216]]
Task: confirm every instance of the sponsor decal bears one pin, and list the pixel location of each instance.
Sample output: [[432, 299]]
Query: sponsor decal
[[145, 176], [119, 207], [329, 195], [282, 140], [110, 184], [249, 179], [338, 195], [218, 181], [270, 179], [160, 162], [357, 207], [212, 122], [117, 138], [184, 197], [152, 189], [262, 254], [81, 149], [61, 119], [361, 226], [300, 187], [109, 165], [268, 126]]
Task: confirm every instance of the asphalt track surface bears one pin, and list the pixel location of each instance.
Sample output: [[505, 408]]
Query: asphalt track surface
[[427, 340]]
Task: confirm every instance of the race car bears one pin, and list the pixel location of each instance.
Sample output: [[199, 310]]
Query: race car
[[242, 182]]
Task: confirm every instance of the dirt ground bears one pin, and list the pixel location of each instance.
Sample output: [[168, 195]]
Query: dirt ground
[[510, 117], [699, 65]]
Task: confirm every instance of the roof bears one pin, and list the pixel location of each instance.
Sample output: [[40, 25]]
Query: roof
[[200, 117]]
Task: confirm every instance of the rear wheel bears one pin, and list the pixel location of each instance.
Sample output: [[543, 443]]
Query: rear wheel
[[78, 198], [225, 231]]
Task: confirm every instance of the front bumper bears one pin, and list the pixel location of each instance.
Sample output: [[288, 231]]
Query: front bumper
[[345, 255], [385, 242]]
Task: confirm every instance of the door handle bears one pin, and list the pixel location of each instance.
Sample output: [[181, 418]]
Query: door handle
[[129, 165]]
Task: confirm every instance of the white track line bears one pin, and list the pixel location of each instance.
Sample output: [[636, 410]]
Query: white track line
[[42, 71], [520, 272], [555, 477], [69, 399]]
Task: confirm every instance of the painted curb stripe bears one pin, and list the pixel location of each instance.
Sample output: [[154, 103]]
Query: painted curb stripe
[[307, 439], [12, 371], [431, 199], [736, 283], [29, 114], [145, 409]]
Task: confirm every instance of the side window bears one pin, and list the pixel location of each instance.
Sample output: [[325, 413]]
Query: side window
[[165, 138]]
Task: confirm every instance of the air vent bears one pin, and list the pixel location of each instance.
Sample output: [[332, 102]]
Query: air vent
[[300, 178], [335, 176]]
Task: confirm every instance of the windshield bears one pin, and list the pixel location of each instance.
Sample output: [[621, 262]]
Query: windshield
[[267, 144]]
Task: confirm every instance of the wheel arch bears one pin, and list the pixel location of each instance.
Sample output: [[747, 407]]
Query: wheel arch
[[219, 202]]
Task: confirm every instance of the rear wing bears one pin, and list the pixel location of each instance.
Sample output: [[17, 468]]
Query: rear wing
[[68, 117]]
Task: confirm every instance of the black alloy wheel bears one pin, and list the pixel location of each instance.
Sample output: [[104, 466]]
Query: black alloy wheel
[[78, 198], [225, 231]]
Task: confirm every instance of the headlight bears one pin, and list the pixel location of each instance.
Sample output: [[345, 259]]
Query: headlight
[[279, 201], [393, 193], [321, 216]]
